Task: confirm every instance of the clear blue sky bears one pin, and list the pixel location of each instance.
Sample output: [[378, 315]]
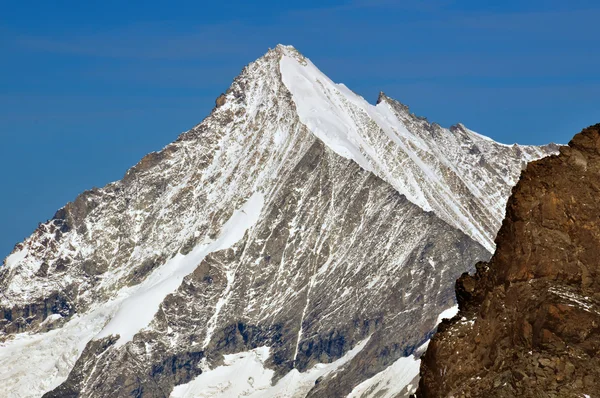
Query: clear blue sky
[[88, 87]]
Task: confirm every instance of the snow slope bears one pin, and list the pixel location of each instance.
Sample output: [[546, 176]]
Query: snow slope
[[244, 374], [31, 364], [390, 382], [440, 170]]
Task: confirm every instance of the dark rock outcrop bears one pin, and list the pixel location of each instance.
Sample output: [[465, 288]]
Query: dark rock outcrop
[[220, 101], [529, 320]]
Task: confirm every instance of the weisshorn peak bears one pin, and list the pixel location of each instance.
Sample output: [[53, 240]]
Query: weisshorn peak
[[297, 242]]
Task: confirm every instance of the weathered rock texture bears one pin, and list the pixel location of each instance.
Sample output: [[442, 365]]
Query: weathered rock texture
[[529, 320]]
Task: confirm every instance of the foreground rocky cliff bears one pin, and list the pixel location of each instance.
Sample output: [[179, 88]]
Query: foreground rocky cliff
[[529, 320]]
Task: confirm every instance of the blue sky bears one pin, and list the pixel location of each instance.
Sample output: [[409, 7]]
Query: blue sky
[[88, 88]]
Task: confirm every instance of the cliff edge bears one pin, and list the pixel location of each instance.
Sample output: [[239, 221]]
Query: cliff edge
[[529, 319]]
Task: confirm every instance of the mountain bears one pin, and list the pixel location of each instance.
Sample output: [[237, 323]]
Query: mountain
[[529, 319], [298, 242]]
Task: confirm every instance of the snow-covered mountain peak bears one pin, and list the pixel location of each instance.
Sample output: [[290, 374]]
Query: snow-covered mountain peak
[[448, 172], [296, 218]]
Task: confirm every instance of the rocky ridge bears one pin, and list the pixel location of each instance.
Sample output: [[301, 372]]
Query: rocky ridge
[[258, 235], [529, 319]]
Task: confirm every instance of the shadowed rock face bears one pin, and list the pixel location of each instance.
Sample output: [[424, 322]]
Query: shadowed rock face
[[529, 320]]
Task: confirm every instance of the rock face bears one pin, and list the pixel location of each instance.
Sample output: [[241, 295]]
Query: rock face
[[529, 320], [298, 231]]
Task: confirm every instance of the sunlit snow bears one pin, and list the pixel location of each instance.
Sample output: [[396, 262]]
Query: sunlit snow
[[391, 381], [15, 258], [31, 364], [447, 314], [437, 174]]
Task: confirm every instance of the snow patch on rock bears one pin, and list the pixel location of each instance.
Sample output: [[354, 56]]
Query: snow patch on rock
[[447, 314], [15, 258], [391, 381]]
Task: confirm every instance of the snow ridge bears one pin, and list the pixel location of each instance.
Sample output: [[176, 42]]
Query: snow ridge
[[435, 168]]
